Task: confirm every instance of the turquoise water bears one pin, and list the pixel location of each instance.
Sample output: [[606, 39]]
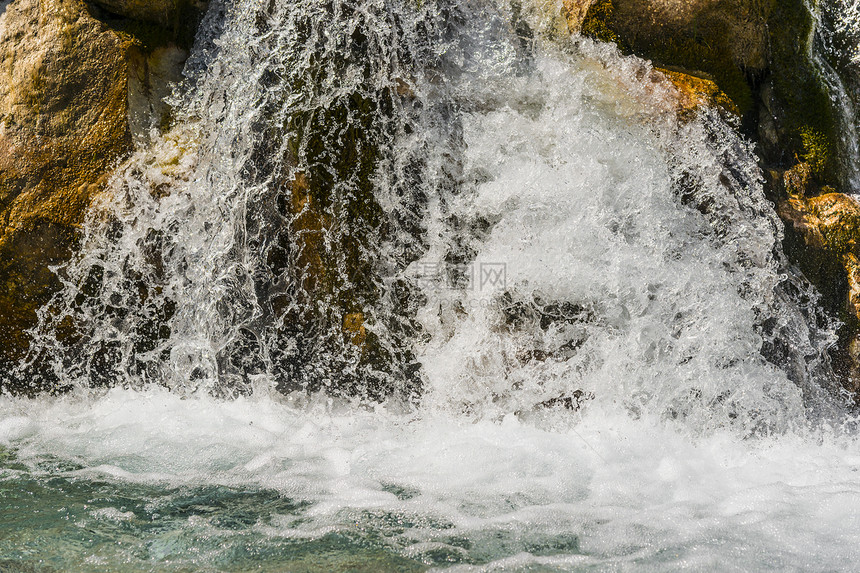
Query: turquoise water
[[54, 521], [132, 481]]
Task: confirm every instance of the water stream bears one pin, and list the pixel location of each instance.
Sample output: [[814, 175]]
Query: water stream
[[836, 52], [419, 285]]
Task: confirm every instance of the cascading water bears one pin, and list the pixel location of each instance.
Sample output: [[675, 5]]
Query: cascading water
[[836, 53], [478, 297]]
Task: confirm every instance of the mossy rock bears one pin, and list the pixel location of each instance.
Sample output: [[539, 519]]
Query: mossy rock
[[805, 116], [721, 39], [337, 327], [598, 22], [756, 51]]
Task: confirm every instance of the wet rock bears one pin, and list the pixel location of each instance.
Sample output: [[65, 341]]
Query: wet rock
[[573, 402], [63, 110], [759, 54], [696, 92], [823, 237], [74, 91], [830, 221]]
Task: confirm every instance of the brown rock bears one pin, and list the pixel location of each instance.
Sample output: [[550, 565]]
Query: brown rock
[[726, 40], [63, 123], [66, 83], [798, 180], [574, 13], [695, 92], [757, 52], [353, 326]]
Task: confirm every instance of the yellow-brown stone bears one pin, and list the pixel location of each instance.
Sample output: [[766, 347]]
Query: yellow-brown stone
[[830, 221], [68, 83], [696, 92], [574, 12], [353, 326]]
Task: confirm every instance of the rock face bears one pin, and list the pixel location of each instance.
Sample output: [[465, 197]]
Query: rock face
[[72, 88], [757, 52], [725, 39], [823, 235], [63, 96]]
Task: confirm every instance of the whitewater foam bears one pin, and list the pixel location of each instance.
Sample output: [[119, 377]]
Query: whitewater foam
[[589, 489]]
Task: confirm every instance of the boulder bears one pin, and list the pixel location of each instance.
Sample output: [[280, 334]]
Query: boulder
[[63, 124], [73, 92]]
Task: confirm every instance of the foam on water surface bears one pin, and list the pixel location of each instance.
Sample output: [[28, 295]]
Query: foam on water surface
[[596, 489]]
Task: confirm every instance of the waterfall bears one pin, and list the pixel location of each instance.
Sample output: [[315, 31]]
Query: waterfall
[[417, 284], [439, 202]]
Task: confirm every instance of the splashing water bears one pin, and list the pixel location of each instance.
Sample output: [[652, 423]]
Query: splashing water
[[477, 296], [849, 23], [837, 56]]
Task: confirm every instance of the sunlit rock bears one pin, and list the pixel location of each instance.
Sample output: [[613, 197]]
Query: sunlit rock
[[696, 92], [75, 96], [574, 13], [828, 225], [63, 100]]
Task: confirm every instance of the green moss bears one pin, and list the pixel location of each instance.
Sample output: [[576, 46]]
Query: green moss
[[808, 121], [816, 150], [598, 22]]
